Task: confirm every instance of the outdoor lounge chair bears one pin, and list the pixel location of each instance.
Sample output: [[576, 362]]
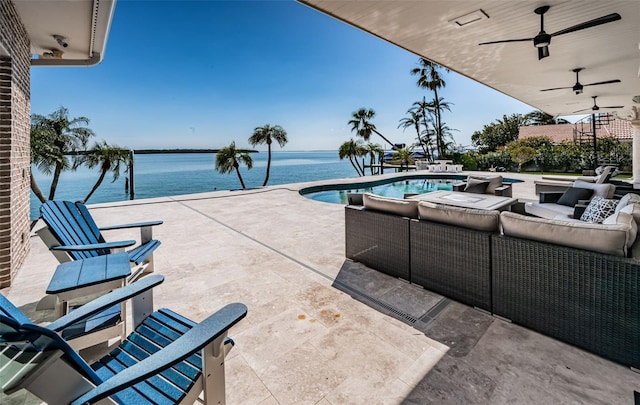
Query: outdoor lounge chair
[[167, 359], [72, 234], [562, 183], [604, 174]]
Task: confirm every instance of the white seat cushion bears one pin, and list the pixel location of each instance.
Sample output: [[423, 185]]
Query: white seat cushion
[[397, 206], [548, 210]]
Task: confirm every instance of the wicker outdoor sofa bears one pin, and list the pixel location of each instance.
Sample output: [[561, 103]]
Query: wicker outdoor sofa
[[587, 298]]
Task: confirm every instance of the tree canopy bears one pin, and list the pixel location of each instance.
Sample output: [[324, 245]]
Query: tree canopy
[[498, 133]]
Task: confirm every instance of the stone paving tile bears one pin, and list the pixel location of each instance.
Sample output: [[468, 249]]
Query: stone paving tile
[[267, 342], [358, 352], [453, 381], [368, 389], [459, 327], [302, 376], [249, 387], [413, 375]]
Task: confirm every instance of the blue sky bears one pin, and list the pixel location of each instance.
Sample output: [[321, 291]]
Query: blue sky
[[200, 74]]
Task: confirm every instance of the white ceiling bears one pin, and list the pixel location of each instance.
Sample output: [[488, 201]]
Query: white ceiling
[[84, 23], [607, 52]]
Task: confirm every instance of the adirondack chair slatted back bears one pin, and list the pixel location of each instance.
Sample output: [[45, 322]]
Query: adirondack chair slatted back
[[24, 346], [72, 224]]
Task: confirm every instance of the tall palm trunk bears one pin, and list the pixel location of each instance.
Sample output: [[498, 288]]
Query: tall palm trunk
[[103, 172], [429, 153], [36, 189], [54, 182], [356, 166], [423, 142], [239, 176], [266, 178], [439, 142]]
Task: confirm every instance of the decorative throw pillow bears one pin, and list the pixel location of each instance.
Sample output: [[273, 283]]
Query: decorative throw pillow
[[627, 199], [476, 186], [573, 194], [599, 208]]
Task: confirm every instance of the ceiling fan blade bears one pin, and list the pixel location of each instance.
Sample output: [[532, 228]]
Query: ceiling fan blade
[[613, 106], [543, 52], [557, 88], [579, 111], [605, 82], [506, 40], [593, 23]]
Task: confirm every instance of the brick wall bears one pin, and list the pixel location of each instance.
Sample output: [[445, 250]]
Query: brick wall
[[15, 111]]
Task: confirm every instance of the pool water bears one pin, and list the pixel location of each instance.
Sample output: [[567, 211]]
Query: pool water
[[396, 189]]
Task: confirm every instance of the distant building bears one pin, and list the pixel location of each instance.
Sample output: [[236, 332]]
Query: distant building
[[605, 126]]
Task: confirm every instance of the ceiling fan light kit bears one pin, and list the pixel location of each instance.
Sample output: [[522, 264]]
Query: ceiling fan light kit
[[596, 107], [578, 88], [543, 40]]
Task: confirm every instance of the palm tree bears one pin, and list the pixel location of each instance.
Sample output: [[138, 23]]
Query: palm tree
[[361, 124], [109, 158], [429, 78], [43, 156], [65, 135], [229, 159], [375, 151], [538, 117], [414, 121], [353, 149], [267, 134], [403, 157]]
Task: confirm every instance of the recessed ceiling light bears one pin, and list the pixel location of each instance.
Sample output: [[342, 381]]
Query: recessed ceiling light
[[470, 18]]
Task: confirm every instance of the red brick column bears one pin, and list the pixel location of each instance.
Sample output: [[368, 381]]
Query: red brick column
[[14, 142]]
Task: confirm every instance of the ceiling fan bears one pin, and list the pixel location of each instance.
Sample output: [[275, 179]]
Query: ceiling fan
[[577, 88], [542, 40], [596, 107]]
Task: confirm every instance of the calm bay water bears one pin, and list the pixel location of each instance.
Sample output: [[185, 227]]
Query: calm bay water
[[158, 175]]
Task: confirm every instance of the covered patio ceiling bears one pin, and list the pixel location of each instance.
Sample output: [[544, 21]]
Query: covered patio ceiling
[[66, 32], [449, 33]]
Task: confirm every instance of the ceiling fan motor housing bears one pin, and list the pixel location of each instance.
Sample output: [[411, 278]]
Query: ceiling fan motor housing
[[577, 88], [541, 40]]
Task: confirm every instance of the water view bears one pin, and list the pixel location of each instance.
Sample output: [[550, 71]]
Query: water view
[[158, 175]]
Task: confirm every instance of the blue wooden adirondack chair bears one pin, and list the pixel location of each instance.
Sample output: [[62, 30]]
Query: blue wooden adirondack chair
[[99, 327], [72, 234], [168, 359]]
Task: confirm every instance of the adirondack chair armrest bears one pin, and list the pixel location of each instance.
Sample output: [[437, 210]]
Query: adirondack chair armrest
[[107, 245], [195, 339], [132, 225], [106, 301]]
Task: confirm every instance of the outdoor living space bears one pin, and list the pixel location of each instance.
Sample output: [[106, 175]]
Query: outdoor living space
[[322, 329]]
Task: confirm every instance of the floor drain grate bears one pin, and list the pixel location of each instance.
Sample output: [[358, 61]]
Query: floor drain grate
[[376, 303], [434, 312]]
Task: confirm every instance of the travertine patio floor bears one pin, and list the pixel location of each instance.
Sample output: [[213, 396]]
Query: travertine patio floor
[[322, 329]]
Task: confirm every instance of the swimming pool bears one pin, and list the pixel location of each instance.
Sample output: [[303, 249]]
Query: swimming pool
[[393, 187]]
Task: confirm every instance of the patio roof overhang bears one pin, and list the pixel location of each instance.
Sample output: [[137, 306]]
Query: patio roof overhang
[[449, 33], [66, 32]]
